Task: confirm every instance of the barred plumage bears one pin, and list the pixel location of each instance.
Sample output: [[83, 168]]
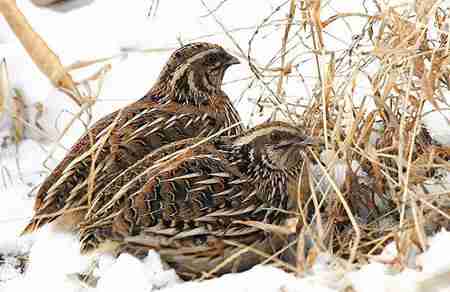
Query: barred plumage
[[186, 198], [186, 101]]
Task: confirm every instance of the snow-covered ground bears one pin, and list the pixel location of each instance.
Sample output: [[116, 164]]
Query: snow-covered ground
[[104, 28]]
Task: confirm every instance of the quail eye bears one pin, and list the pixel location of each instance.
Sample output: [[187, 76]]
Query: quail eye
[[275, 136], [211, 59]]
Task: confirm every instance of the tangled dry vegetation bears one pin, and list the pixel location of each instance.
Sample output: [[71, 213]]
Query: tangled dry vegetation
[[367, 101], [393, 186]]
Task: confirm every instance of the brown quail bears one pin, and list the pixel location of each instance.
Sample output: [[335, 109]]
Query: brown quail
[[186, 101], [185, 200]]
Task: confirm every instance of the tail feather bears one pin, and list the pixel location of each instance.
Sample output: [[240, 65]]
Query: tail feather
[[34, 225]]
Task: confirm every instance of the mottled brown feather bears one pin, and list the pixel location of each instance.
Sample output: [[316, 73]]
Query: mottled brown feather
[[118, 140], [185, 200]]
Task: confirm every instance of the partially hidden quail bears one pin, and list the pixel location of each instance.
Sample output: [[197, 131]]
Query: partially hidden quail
[[186, 101], [187, 200]]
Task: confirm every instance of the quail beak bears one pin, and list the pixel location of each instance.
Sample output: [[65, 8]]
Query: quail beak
[[300, 142], [309, 141], [232, 61]]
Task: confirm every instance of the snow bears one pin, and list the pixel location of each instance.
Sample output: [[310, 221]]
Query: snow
[[20, 168], [55, 265], [440, 134], [432, 261], [141, 276], [103, 28], [433, 276]]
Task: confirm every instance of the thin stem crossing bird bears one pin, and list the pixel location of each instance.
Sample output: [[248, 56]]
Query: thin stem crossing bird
[[186, 101], [187, 200]]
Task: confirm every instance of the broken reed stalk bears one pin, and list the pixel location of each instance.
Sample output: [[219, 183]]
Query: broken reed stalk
[[44, 58], [4, 86]]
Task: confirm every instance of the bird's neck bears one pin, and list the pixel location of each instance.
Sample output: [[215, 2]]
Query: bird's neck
[[272, 185], [182, 94], [218, 104]]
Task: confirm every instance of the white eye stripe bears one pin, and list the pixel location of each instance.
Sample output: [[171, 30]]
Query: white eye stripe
[[247, 138], [201, 55], [181, 70]]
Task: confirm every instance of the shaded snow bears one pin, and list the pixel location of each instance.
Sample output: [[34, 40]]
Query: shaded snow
[[55, 265]]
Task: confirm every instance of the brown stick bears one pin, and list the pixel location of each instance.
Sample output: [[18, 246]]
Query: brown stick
[[4, 85], [47, 61]]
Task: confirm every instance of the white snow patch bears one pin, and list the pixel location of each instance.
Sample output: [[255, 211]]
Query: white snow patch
[[438, 125], [434, 275], [433, 261], [260, 278], [128, 273]]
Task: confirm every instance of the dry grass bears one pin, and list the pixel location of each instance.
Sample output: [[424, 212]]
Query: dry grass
[[367, 101], [378, 134], [391, 166]]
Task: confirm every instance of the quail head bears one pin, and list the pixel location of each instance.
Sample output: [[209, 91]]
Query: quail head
[[186, 101], [188, 199]]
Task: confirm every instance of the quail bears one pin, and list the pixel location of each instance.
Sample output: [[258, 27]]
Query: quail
[[186, 101], [188, 199]]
